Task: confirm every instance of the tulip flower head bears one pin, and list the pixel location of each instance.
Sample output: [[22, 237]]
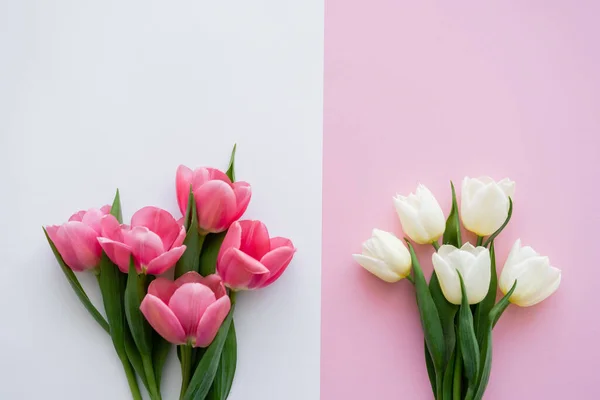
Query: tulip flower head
[[189, 310], [536, 278], [76, 240], [474, 265], [484, 204], [249, 259], [155, 239], [219, 202], [385, 256], [421, 216]]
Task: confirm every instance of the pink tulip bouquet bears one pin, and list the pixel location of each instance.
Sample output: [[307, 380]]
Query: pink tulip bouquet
[[457, 307], [167, 281]]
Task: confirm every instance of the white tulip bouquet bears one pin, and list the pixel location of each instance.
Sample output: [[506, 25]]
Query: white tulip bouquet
[[458, 307]]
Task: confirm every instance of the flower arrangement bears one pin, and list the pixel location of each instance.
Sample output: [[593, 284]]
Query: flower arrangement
[[457, 307], [167, 281]]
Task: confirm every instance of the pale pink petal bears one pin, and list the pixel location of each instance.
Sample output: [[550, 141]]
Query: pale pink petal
[[111, 229], [145, 244], [233, 239], [158, 221], [162, 288], [280, 242], [277, 261], [180, 238], [243, 193], [238, 269], [189, 303], [105, 209], [78, 216], [183, 182], [51, 231], [215, 203], [201, 176], [92, 219], [80, 243], [217, 174], [214, 282], [162, 319], [64, 248], [211, 321], [165, 261], [255, 239], [188, 277], [118, 252]]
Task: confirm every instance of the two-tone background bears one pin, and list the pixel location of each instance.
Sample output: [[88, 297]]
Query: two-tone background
[[336, 105]]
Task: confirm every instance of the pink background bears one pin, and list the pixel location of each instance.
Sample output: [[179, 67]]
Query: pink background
[[428, 91]]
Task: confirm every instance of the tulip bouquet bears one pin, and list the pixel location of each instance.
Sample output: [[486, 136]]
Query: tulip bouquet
[[458, 307], [166, 281]]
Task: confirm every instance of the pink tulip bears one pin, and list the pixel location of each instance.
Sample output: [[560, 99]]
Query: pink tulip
[[76, 240], [249, 259], [154, 238], [218, 201], [187, 311]]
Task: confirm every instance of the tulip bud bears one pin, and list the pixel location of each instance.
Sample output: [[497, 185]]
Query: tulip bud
[[385, 256], [474, 265], [484, 204], [421, 216], [536, 278]]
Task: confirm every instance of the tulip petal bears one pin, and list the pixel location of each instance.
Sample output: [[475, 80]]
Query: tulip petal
[[279, 241], [255, 239], [78, 216], [180, 237], [118, 252], [233, 239], [477, 279], [548, 284], [243, 193], [111, 229], [162, 319], [377, 268], [214, 282], [276, 261], [448, 278], [145, 244], [92, 219], [238, 269], [188, 303], [216, 206], [158, 221], [217, 174], [105, 209], [211, 321], [162, 288], [78, 245], [165, 261], [183, 182]]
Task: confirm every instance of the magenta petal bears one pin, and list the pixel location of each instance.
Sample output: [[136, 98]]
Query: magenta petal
[[80, 244], [189, 303], [180, 238], [162, 319], [165, 261], [233, 239], [238, 269], [105, 209], [216, 206], [243, 193], [188, 277], [211, 321], [158, 221], [277, 261], [118, 252], [183, 182], [214, 282], [280, 242], [255, 239], [218, 175], [145, 244], [78, 216], [162, 288]]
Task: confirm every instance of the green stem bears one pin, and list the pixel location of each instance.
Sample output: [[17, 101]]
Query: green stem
[[439, 385], [186, 368], [410, 279], [131, 379], [479, 240], [149, 371], [435, 245]]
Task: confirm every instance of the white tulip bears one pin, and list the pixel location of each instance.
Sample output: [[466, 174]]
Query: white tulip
[[474, 265], [536, 278], [421, 216], [385, 256], [484, 204]]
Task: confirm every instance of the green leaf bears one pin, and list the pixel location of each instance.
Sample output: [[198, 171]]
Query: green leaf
[[449, 377], [207, 367], [430, 369], [134, 357], [486, 350], [210, 251], [190, 259], [447, 312], [466, 335], [115, 209], [452, 232], [430, 320], [458, 369], [231, 168], [76, 286], [226, 371], [112, 286], [483, 309], [139, 327], [160, 351], [495, 234]]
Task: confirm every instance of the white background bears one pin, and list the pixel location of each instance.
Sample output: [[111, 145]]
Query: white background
[[96, 95]]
